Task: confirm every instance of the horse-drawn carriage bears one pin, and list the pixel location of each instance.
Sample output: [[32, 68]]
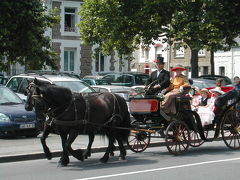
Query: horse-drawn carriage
[[72, 114], [183, 129]]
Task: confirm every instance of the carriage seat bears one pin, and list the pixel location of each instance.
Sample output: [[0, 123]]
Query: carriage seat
[[183, 102]]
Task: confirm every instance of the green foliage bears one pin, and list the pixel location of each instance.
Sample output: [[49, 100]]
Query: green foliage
[[23, 24], [122, 24]]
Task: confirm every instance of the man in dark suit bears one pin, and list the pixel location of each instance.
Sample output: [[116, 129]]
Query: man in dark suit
[[159, 79]]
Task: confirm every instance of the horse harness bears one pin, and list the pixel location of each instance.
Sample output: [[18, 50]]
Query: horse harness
[[85, 120]]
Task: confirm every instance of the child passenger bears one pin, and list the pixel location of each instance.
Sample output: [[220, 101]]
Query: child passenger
[[206, 112], [201, 100]]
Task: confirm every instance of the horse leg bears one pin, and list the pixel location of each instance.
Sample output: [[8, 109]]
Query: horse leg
[[46, 132], [105, 158], [75, 153], [64, 160], [113, 148], [87, 153], [122, 149]]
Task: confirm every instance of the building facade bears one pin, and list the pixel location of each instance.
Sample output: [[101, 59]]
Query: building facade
[[228, 63], [74, 56]]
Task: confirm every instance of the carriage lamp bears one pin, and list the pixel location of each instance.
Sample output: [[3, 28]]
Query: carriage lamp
[[4, 118]]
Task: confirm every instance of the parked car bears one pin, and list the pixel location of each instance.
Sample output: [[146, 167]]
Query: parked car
[[203, 83], [19, 82], [127, 79], [227, 80], [123, 91], [92, 81], [14, 119]]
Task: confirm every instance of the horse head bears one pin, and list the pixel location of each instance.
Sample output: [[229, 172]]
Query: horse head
[[34, 93]]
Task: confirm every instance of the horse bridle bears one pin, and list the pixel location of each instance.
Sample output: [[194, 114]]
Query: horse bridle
[[35, 98]]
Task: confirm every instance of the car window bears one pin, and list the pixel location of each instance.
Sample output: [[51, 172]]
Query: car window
[[127, 79], [23, 85], [88, 81], [110, 77], [102, 90], [14, 83], [7, 96], [101, 82], [140, 79]]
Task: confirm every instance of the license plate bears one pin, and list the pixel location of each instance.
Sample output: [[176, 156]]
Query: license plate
[[26, 126]]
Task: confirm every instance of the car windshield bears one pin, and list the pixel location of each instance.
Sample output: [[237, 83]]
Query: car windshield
[[75, 86], [8, 97], [203, 84]]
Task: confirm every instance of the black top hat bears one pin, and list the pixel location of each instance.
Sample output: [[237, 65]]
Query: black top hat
[[159, 60]]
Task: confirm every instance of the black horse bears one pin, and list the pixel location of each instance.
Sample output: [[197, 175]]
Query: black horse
[[104, 113]]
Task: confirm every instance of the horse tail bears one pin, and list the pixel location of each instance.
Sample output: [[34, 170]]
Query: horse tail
[[124, 126]]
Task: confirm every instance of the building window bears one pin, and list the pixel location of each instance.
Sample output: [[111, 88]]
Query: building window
[[179, 50], [99, 65], [201, 52], [69, 60], [70, 20], [205, 70], [222, 70]]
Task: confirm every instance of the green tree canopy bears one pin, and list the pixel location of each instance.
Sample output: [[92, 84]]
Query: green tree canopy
[[122, 24], [22, 27]]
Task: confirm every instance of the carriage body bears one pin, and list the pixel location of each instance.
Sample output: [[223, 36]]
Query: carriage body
[[183, 129]]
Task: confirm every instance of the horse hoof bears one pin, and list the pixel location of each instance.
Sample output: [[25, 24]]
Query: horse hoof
[[63, 162], [79, 155], [121, 158], [104, 160], [49, 156]]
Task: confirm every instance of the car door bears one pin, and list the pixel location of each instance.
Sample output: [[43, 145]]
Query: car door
[[14, 83]]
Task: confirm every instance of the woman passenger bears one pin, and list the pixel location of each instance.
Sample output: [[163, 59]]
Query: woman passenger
[[177, 82]]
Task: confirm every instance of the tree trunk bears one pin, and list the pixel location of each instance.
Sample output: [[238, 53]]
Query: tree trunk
[[212, 62], [194, 63]]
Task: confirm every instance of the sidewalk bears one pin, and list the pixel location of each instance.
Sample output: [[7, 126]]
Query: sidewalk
[[21, 149]]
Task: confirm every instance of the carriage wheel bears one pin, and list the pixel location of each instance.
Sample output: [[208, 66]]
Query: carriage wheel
[[230, 129], [138, 141], [177, 137], [196, 140]]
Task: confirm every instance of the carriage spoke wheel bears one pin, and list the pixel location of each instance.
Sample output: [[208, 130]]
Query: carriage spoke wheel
[[230, 129], [138, 141], [177, 137], [195, 139]]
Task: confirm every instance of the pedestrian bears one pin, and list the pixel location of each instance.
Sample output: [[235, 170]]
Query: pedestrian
[[159, 79]]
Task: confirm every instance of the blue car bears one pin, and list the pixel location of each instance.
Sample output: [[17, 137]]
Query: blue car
[[14, 119]]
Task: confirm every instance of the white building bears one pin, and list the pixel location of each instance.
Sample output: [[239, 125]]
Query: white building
[[228, 63]]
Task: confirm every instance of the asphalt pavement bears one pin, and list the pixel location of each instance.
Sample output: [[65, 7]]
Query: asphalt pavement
[[21, 149]]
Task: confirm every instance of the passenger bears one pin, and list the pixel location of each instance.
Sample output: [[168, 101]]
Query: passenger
[[206, 113], [236, 82], [200, 100], [177, 83], [160, 78], [220, 82]]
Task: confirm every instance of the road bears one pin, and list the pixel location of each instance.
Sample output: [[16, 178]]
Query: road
[[213, 161]]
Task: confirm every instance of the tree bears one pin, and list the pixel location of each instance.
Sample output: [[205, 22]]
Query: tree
[[122, 24], [23, 24]]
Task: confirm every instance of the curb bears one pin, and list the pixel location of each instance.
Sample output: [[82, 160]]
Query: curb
[[41, 155]]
